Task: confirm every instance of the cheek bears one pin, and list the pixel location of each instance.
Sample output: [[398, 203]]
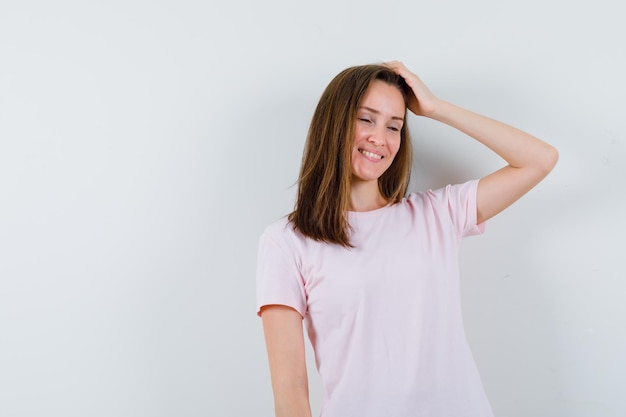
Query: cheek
[[359, 135], [395, 145]]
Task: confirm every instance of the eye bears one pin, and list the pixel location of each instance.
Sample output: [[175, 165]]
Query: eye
[[393, 128], [364, 119]]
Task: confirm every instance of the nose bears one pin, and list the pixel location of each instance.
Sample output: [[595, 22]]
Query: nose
[[376, 137]]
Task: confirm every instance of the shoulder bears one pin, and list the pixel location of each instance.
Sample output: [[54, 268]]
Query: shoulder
[[455, 204], [282, 233], [451, 192], [277, 227]]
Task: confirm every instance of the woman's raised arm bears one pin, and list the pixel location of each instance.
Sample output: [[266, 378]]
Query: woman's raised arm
[[529, 159]]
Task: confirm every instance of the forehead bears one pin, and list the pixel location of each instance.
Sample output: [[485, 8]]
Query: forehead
[[384, 97]]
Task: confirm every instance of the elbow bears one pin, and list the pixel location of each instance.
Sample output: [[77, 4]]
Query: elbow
[[553, 157], [548, 159]]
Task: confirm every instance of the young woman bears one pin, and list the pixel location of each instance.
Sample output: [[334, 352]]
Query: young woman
[[374, 273]]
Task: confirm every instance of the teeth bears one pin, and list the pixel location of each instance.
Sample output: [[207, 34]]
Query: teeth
[[371, 155]]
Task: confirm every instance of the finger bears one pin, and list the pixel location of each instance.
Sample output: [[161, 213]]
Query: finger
[[400, 69], [394, 65]]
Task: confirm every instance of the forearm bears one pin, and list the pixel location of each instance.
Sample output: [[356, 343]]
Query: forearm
[[285, 348], [291, 400], [519, 149]]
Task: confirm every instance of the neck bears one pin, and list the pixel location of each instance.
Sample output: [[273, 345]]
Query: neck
[[365, 196]]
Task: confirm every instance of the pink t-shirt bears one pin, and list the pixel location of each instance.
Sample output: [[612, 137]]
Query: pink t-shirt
[[384, 318]]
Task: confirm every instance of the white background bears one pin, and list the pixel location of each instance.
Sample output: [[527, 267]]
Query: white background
[[145, 145]]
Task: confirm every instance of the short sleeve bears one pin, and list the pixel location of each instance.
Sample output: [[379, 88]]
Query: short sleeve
[[458, 203], [467, 200], [278, 280]]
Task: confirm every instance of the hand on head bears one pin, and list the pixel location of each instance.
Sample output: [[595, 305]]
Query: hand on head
[[423, 102]]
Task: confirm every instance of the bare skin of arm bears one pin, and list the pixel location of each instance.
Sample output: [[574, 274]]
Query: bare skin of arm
[[284, 339], [529, 159]]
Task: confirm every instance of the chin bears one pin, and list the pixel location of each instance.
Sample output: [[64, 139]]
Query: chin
[[366, 177]]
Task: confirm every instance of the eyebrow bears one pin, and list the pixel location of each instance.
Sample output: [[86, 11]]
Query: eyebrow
[[377, 112]]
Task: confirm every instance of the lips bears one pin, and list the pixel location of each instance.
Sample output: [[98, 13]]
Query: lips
[[371, 154]]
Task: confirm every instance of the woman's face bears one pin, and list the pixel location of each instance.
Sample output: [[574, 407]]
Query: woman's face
[[379, 120]]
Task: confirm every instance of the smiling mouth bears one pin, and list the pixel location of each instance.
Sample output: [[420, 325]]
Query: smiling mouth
[[370, 154]]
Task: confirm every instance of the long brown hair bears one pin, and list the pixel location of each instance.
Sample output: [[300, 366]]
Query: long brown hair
[[323, 197]]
